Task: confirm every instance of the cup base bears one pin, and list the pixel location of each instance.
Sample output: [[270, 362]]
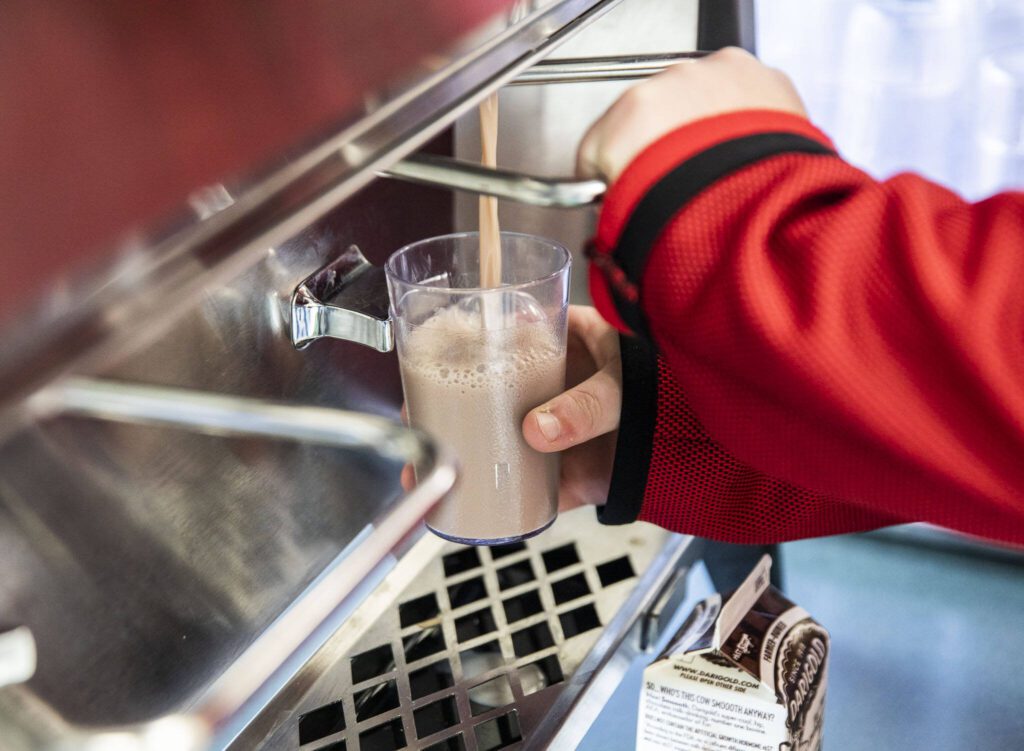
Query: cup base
[[492, 540]]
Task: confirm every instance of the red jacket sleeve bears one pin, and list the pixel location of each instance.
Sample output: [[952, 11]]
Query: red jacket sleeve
[[851, 351]]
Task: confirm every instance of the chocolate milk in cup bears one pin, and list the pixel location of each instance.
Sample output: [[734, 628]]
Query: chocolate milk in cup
[[474, 361]]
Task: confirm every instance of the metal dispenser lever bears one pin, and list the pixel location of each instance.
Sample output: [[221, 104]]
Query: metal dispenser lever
[[552, 192], [440, 171], [348, 298]]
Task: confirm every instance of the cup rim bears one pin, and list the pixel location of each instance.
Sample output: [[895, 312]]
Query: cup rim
[[564, 266]]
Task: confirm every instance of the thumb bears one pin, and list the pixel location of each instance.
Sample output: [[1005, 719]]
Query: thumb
[[583, 412]]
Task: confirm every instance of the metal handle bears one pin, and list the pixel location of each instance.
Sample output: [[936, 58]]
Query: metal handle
[[346, 299], [593, 69], [446, 172]]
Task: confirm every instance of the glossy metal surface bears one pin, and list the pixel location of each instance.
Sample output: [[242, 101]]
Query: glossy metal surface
[[17, 655], [346, 299], [147, 560], [636, 625], [469, 615], [546, 192], [566, 193], [594, 69], [219, 415], [209, 702]]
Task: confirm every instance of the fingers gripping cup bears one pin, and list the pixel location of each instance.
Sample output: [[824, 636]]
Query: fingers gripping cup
[[474, 361]]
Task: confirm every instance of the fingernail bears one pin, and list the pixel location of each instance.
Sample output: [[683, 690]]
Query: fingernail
[[549, 425]]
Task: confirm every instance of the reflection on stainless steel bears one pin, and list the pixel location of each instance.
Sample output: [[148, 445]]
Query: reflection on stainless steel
[[17, 655], [541, 125], [613, 68], [346, 299], [130, 304], [207, 201], [146, 560], [430, 169], [267, 663]]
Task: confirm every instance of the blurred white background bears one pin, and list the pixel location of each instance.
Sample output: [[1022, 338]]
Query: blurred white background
[[932, 86]]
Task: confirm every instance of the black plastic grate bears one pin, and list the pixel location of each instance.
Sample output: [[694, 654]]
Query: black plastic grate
[[467, 592], [423, 644], [452, 743], [515, 575], [572, 588], [475, 624], [579, 621], [522, 606], [561, 557], [532, 639], [500, 551], [615, 571], [461, 561]]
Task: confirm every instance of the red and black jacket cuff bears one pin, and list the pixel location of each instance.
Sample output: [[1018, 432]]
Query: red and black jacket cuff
[[659, 184], [635, 444], [652, 191]]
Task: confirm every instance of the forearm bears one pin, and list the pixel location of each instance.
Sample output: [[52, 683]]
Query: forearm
[[857, 339], [670, 472]]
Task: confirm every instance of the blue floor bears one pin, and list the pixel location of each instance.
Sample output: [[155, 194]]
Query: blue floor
[[927, 647]]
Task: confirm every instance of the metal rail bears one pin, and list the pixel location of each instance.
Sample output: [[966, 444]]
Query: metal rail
[[221, 415], [594, 69]]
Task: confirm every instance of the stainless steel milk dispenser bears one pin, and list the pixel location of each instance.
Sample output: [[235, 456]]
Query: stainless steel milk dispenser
[[204, 540]]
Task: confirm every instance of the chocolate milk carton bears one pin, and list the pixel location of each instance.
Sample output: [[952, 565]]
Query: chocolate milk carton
[[749, 675]]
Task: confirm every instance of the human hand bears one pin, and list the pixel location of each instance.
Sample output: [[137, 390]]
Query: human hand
[[727, 81], [583, 421]]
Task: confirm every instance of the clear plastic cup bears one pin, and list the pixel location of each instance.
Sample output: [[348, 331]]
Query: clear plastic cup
[[474, 362]]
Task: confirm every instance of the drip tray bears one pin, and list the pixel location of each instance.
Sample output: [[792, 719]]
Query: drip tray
[[467, 647]]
